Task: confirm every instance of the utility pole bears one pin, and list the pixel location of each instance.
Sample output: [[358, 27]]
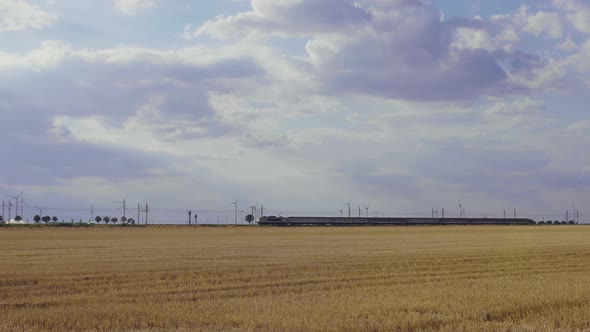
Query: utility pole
[[432, 213], [146, 213], [443, 213], [9, 209], [262, 210], [91, 214], [138, 213], [359, 211], [189, 217], [235, 203], [348, 208], [504, 213], [22, 204], [514, 213], [575, 216], [566, 216], [2, 208]]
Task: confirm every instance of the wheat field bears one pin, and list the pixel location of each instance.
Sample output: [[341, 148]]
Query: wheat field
[[456, 278]]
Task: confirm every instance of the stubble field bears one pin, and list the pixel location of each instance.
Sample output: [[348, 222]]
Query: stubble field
[[529, 278]]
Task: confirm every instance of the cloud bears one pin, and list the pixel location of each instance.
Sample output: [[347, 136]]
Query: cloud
[[19, 15], [287, 17], [399, 49], [124, 111], [134, 7], [41, 161], [545, 23], [580, 61], [578, 13]]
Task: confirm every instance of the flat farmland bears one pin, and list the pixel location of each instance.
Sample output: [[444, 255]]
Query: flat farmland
[[495, 278]]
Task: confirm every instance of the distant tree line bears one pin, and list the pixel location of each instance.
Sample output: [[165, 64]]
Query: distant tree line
[[47, 219], [556, 222], [107, 220]]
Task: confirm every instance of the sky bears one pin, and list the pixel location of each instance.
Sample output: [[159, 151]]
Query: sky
[[402, 106]]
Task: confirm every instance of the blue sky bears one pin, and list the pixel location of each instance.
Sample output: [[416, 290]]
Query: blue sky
[[300, 105]]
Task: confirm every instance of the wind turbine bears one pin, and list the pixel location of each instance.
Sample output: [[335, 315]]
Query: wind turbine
[[235, 203], [16, 201], [348, 208], [460, 210], [124, 207], [366, 209]]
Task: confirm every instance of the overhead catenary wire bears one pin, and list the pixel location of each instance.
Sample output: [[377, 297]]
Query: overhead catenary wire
[[169, 214]]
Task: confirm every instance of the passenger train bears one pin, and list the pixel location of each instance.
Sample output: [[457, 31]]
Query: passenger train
[[386, 221]]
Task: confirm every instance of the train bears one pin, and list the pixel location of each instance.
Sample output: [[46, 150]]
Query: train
[[386, 221]]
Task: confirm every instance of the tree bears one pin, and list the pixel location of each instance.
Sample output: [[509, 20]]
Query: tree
[[46, 219], [1, 219], [55, 219], [249, 218], [37, 218], [114, 220], [106, 220], [124, 220], [18, 218], [98, 219], [541, 223], [131, 221]]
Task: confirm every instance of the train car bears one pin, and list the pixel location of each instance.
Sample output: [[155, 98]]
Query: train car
[[273, 220], [386, 221]]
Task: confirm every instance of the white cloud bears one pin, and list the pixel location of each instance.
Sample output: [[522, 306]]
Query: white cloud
[[581, 59], [50, 55], [19, 15], [133, 7], [567, 45], [581, 19], [286, 17], [545, 23], [578, 13]]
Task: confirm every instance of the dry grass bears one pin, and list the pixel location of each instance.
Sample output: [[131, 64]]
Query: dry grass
[[324, 279]]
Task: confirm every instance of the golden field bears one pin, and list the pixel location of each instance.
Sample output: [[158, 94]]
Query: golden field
[[455, 278]]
